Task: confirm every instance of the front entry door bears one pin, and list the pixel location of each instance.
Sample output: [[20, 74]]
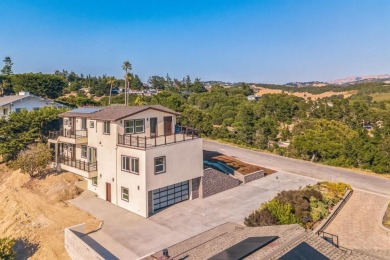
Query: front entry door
[[167, 125], [108, 192], [153, 127]]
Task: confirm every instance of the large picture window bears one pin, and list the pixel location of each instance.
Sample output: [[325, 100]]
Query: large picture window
[[130, 164], [159, 165], [135, 126]]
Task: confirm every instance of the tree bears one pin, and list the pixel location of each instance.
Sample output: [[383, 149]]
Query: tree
[[7, 69], [127, 68], [111, 81], [34, 159], [44, 85], [157, 82], [197, 86], [7, 251]]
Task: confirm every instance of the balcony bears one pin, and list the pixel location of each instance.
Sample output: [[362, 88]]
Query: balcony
[[144, 143], [69, 136], [85, 169]]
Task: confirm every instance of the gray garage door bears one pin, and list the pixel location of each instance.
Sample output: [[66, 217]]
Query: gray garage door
[[167, 196]]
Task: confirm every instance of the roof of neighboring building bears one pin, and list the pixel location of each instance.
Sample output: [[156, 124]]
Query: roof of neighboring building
[[116, 112], [10, 99], [291, 238]]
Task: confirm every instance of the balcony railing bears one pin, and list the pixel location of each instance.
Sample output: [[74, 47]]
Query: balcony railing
[[82, 165], [75, 134], [144, 142]]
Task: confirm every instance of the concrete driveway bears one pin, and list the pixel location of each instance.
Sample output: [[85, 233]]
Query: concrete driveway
[[129, 236]]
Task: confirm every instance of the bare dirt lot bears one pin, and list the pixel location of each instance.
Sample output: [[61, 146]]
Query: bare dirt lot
[[34, 213], [306, 95]]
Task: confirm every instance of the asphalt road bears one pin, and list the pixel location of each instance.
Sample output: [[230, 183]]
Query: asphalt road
[[361, 181]]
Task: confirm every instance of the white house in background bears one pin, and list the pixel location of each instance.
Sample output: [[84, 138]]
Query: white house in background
[[133, 157], [24, 101], [252, 98]]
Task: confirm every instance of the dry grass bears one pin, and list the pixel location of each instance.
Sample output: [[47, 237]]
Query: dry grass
[[34, 213], [306, 95], [380, 97]]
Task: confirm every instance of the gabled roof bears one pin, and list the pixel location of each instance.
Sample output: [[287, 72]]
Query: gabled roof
[[116, 112], [10, 99]]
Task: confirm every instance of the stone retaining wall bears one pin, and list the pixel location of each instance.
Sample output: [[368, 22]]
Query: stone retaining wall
[[214, 181], [80, 246], [249, 177]]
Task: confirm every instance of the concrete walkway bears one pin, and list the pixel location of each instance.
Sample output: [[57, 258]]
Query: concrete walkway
[[129, 236], [357, 224]]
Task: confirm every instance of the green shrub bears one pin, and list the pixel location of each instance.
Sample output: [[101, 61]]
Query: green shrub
[[262, 217], [6, 249], [319, 209], [282, 212]]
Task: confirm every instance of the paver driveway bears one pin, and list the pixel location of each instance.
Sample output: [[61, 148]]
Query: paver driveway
[[129, 236]]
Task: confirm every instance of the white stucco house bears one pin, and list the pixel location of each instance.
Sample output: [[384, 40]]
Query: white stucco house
[[24, 101], [134, 157]]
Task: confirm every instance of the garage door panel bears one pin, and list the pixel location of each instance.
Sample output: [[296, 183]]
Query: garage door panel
[[170, 195]]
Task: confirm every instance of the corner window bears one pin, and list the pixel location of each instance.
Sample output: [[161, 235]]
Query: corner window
[[94, 181], [134, 126], [130, 164], [159, 165], [83, 151], [106, 128], [125, 193]]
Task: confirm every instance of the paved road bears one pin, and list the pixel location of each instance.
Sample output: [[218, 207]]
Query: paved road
[[370, 183], [129, 236]]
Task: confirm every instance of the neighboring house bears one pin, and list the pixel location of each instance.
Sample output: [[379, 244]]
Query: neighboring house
[[24, 101], [252, 98], [131, 156]]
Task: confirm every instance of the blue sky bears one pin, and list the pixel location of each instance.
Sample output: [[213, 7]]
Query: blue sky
[[254, 41]]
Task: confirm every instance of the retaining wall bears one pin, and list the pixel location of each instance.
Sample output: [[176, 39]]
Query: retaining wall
[[214, 181], [249, 177]]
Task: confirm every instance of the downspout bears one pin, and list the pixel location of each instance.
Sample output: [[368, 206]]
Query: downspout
[[116, 174]]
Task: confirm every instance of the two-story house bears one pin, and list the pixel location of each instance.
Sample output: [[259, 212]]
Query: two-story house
[[134, 157], [24, 101]]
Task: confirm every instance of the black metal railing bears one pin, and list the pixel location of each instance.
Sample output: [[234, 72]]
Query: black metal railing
[[144, 142], [82, 165], [75, 134]]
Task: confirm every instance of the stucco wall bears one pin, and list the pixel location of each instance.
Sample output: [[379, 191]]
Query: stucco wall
[[249, 177], [80, 246], [214, 181]]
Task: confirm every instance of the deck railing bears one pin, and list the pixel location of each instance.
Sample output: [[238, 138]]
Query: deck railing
[[144, 142], [75, 134], [82, 165]]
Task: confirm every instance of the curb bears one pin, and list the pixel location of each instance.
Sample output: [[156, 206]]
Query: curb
[[381, 225]]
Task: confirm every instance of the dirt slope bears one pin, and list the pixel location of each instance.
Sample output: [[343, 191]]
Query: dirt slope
[[33, 212]]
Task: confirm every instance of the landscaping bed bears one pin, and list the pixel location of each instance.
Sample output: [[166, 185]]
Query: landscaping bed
[[306, 207], [386, 217], [237, 165]]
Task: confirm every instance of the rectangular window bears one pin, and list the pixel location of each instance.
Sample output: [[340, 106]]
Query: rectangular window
[[125, 193], [159, 165], [134, 165], [134, 126], [94, 181], [83, 124], [125, 163], [91, 124], [106, 128], [83, 151]]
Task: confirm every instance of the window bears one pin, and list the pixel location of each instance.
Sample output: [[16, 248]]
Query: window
[[125, 193], [134, 165], [125, 163], [94, 181], [83, 151], [91, 124], [18, 110], [83, 124], [106, 128], [134, 126], [159, 165], [130, 164]]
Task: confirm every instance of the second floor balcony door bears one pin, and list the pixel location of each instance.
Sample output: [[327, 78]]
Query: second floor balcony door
[[153, 127], [92, 155], [167, 125]]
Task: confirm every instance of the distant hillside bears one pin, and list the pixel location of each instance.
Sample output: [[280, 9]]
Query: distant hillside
[[360, 79]]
